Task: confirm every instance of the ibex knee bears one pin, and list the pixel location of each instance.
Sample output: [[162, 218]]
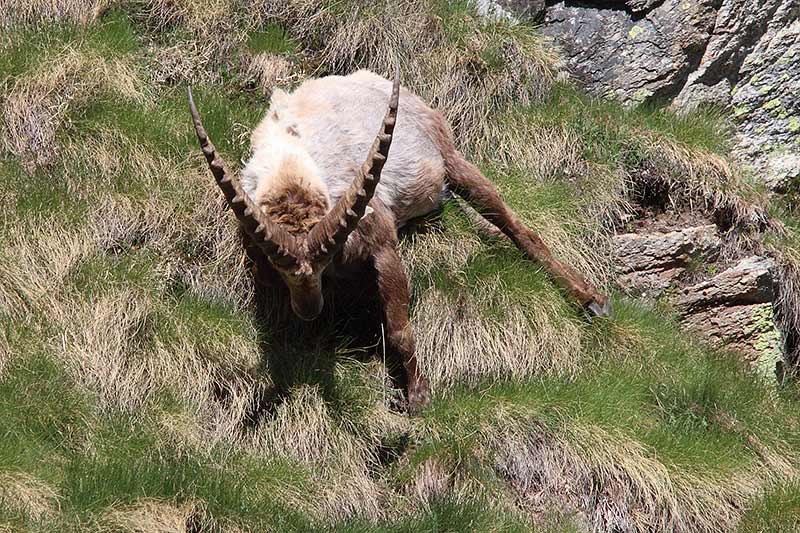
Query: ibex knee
[[403, 340]]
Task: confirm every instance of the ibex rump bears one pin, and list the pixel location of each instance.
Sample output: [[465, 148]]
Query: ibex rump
[[313, 205]]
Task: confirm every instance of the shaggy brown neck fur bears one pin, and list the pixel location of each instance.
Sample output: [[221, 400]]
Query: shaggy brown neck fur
[[296, 209]]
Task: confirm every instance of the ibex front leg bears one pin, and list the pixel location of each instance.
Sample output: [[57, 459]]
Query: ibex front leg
[[395, 295], [467, 181]]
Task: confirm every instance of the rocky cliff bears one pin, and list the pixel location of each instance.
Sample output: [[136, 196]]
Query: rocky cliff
[[740, 56]]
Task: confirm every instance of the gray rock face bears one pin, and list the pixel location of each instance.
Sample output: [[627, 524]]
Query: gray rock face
[[651, 262], [530, 10], [637, 6], [737, 29], [743, 55], [731, 308], [630, 52], [748, 282], [766, 103], [734, 308]]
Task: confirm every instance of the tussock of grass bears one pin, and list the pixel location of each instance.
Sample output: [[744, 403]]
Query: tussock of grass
[[266, 71], [647, 154], [31, 12], [146, 381], [468, 67], [33, 112], [785, 245], [155, 515], [25, 495], [668, 441]]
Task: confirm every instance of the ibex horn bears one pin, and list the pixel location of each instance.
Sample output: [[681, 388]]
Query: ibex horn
[[276, 243], [328, 236]]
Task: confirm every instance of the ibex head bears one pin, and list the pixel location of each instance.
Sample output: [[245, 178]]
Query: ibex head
[[301, 258]]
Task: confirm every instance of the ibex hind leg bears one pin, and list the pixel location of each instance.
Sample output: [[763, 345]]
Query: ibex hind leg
[[465, 180]]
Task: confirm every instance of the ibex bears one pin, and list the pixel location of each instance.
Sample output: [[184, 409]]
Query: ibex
[[315, 208]]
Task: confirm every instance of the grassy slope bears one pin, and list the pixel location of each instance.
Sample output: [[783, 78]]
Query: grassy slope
[[140, 388]]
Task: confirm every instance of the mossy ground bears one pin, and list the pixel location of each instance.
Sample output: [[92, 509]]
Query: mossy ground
[[146, 383]]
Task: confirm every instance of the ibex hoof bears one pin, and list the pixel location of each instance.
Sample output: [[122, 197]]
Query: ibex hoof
[[418, 395], [602, 310]]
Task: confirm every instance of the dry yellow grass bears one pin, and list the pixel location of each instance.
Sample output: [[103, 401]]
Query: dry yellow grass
[[267, 71], [153, 516], [523, 343], [149, 516], [31, 12], [22, 493], [125, 340]]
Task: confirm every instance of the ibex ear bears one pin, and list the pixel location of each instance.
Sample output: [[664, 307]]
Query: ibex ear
[[278, 100]]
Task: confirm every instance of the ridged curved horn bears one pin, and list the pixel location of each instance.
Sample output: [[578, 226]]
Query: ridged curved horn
[[278, 244], [328, 236]]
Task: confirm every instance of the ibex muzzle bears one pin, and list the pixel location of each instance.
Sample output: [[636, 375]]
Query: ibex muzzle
[[305, 293]]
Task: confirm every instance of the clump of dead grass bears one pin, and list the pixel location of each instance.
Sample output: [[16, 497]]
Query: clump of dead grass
[[688, 174], [36, 266], [38, 103], [465, 66], [17, 13], [208, 34], [182, 62], [148, 515], [267, 71], [787, 306], [524, 342], [27, 495]]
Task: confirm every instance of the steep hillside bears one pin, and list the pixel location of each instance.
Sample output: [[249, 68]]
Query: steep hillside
[[148, 384]]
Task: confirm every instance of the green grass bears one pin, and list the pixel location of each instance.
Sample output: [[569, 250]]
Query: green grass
[[639, 379], [160, 130], [42, 415], [272, 39], [777, 511], [41, 195], [211, 320], [130, 464], [107, 273], [610, 133], [448, 517], [670, 398], [113, 36], [496, 262]]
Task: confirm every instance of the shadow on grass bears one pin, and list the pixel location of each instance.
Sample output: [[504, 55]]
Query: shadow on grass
[[296, 353]]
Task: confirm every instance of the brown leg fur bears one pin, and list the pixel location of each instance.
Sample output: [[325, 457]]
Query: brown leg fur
[[395, 295], [468, 182]]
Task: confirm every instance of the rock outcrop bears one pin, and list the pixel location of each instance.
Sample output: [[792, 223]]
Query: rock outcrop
[[735, 306], [743, 55], [649, 263], [633, 54], [728, 302], [766, 103]]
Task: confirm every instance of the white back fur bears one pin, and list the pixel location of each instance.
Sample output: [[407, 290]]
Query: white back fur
[[319, 135]]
